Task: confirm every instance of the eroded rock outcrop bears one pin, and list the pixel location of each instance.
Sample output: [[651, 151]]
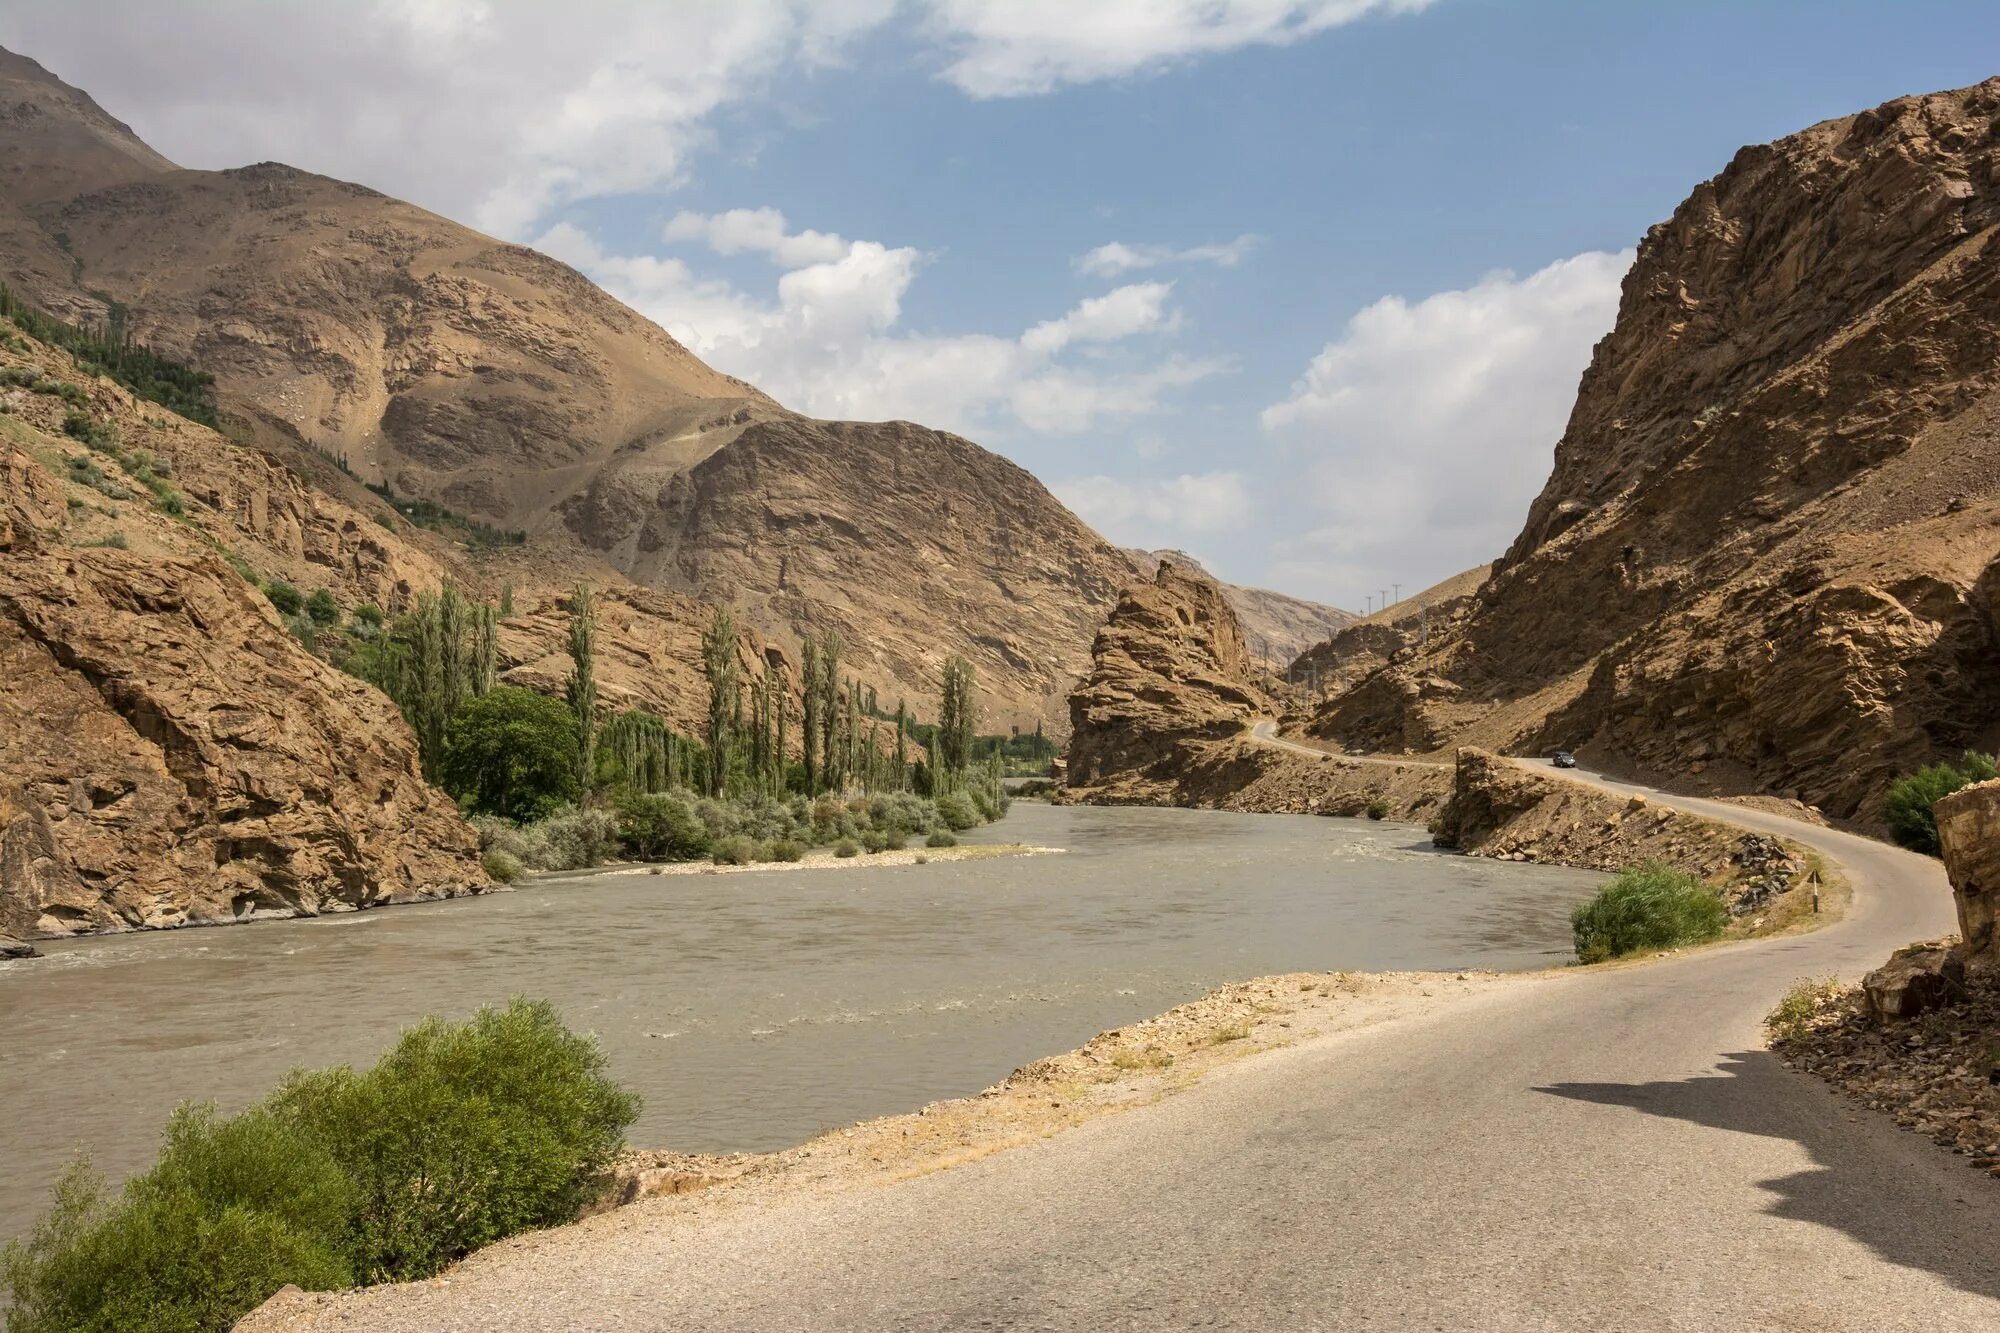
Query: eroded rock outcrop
[[1169, 668], [169, 755], [1968, 823], [1766, 557]]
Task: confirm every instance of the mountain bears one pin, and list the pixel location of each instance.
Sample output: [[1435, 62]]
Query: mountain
[[1276, 627], [1767, 557], [503, 385]]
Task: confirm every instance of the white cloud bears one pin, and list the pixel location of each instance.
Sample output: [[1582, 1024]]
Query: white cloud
[[1121, 313], [829, 342], [1117, 258], [1151, 512], [1426, 427], [1012, 48], [492, 111], [757, 231]]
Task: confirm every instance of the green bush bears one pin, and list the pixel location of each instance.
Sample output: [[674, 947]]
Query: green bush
[[1378, 809], [847, 847], [784, 849], [736, 850], [510, 752], [503, 866], [894, 840], [661, 826], [233, 1210], [322, 608], [465, 1133], [957, 811], [368, 614], [577, 839], [1651, 906], [874, 840], [285, 597], [462, 1134], [1908, 808], [942, 838]]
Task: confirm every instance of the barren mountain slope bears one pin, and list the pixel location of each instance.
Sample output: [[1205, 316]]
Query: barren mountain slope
[[505, 385], [1768, 553], [910, 543], [1275, 626]]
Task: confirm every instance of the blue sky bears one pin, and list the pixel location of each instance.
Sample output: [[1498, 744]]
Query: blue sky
[[1366, 246]]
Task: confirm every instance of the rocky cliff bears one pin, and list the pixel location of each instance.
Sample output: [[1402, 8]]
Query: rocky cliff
[[1277, 627], [1168, 668], [169, 753], [504, 385], [1767, 556], [1969, 831]]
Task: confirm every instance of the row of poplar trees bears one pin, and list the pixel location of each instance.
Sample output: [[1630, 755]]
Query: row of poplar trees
[[442, 653]]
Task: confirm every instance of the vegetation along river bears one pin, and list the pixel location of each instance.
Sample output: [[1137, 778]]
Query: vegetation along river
[[753, 1010]]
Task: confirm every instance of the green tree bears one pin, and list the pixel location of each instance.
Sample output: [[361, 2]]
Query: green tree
[[580, 689], [1907, 811], [829, 705], [433, 659], [809, 660], [718, 660], [958, 716], [511, 752], [902, 747], [322, 608]]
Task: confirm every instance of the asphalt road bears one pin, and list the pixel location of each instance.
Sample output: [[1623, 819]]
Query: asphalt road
[[1611, 1149]]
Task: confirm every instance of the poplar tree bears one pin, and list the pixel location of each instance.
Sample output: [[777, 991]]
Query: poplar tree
[[829, 716], [809, 658], [581, 687], [902, 747], [718, 659]]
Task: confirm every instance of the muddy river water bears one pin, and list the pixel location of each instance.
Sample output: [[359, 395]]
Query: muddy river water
[[752, 1010]]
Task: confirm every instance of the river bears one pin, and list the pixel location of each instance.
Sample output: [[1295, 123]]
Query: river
[[753, 1010]]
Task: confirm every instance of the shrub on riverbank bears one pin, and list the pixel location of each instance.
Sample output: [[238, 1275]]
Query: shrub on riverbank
[[1907, 811], [462, 1134], [1651, 906]]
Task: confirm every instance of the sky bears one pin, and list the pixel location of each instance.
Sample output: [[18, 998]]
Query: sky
[[1303, 287]]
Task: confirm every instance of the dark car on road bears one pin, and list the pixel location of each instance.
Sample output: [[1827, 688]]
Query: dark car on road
[[1564, 759]]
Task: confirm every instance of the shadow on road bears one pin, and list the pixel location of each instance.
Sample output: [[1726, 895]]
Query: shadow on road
[[1855, 1188]]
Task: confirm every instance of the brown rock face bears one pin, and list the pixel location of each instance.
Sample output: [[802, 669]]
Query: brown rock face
[[1969, 831], [169, 755], [1914, 981], [1168, 669], [1276, 627], [1769, 547]]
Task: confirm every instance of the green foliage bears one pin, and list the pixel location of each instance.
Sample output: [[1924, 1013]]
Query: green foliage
[[434, 516], [285, 597], [116, 541], [504, 867], [465, 1133], [661, 826], [322, 608], [875, 840], [511, 752], [719, 664], [957, 720], [80, 425], [1650, 906], [368, 614], [1808, 1000], [580, 688], [109, 350], [83, 470], [737, 850], [958, 811], [1378, 809], [431, 661], [1907, 811], [234, 1209], [942, 838], [784, 849], [847, 847]]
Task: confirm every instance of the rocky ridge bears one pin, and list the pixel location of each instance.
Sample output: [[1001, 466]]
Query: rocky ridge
[[1276, 627], [1767, 556]]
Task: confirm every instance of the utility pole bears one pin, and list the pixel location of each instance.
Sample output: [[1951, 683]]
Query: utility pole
[[1385, 599], [1370, 610], [1399, 592]]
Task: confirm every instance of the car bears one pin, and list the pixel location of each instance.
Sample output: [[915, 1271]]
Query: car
[[1564, 759]]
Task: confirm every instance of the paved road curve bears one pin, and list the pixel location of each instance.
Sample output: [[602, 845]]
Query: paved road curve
[[1610, 1149]]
